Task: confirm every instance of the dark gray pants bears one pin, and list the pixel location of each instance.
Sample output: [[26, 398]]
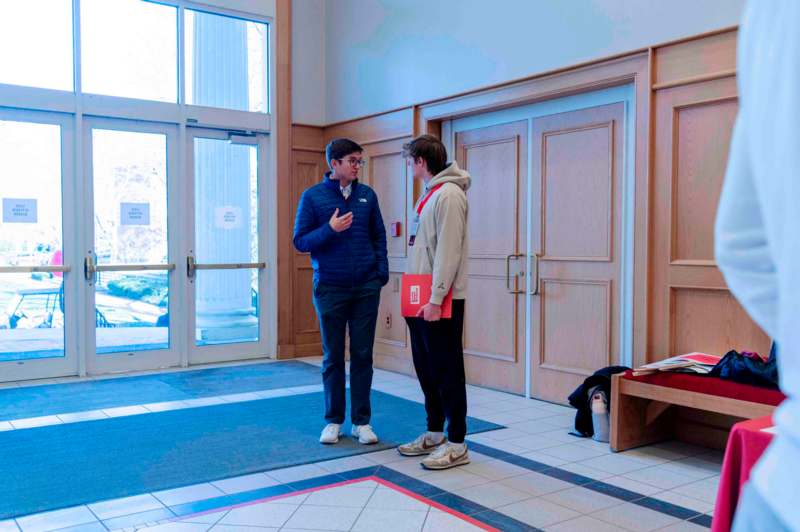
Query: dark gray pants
[[355, 308]]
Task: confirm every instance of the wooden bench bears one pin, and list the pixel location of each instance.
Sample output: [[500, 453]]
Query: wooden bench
[[691, 408]]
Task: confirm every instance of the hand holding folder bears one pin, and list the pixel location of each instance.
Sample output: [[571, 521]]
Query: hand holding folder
[[415, 293]]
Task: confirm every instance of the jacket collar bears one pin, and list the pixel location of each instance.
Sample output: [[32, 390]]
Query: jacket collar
[[333, 184]]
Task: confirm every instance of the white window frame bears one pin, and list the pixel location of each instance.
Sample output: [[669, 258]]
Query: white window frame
[[267, 253], [42, 368], [79, 106]]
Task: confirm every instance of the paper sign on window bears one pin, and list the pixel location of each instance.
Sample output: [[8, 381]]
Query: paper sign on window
[[19, 211], [228, 217], [134, 213]]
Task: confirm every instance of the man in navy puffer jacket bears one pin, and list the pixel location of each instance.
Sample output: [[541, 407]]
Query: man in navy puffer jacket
[[339, 222]]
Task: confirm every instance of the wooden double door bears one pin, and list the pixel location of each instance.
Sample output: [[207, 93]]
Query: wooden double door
[[545, 249]]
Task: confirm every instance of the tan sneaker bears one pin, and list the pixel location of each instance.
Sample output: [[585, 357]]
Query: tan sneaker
[[422, 445], [447, 456]]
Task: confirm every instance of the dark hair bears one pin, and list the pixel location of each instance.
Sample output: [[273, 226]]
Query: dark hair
[[340, 148], [430, 149]]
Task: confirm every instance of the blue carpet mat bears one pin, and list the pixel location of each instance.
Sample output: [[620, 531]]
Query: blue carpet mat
[[33, 401], [59, 466]]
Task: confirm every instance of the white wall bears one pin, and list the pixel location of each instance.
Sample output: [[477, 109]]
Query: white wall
[[383, 54], [308, 62]]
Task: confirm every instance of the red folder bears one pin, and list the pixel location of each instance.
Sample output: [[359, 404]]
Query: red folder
[[415, 293]]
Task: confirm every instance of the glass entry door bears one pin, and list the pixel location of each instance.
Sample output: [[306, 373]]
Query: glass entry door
[[37, 247], [128, 269], [225, 263]]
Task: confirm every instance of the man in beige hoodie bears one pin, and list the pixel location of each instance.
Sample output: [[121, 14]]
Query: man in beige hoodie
[[438, 246]]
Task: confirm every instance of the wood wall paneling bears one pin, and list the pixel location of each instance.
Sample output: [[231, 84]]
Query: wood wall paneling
[[306, 324], [694, 60], [711, 321], [388, 175], [308, 166], [392, 330], [283, 114], [308, 138], [389, 179], [373, 129], [701, 129], [692, 309]]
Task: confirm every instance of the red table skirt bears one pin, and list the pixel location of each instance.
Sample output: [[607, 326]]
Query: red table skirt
[[746, 444], [712, 386]]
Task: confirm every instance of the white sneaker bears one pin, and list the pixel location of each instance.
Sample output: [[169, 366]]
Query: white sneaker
[[365, 434], [447, 456], [330, 434]]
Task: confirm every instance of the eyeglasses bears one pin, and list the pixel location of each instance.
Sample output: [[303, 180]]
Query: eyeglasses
[[358, 163]]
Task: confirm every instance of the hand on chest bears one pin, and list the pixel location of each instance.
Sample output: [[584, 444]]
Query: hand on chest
[[359, 204]]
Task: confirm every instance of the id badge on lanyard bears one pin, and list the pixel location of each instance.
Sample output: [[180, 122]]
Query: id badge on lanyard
[[412, 235]]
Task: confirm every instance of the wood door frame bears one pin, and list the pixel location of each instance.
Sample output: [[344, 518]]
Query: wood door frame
[[635, 70]]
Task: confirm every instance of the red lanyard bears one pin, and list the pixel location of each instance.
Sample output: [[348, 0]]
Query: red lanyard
[[427, 197]]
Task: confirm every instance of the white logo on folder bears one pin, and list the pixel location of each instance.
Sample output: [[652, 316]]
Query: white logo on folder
[[414, 296]]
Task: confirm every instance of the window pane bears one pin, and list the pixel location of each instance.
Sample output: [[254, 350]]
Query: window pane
[[233, 316], [129, 48], [131, 311], [226, 62], [226, 231], [36, 43], [31, 304], [130, 197], [130, 202]]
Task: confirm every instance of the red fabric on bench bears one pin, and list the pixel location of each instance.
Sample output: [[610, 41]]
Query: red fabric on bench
[[711, 386]]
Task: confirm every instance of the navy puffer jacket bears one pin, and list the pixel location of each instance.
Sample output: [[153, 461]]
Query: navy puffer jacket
[[354, 256]]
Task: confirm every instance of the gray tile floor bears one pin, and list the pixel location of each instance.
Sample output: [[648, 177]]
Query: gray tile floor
[[672, 472]]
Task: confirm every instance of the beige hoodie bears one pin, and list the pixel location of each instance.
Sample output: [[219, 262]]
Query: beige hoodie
[[440, 244]]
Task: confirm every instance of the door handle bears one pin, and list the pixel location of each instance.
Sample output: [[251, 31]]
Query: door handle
[[89, 267], [35, 269], [134, 267], [508, 274], [536, 291], [192, 266]]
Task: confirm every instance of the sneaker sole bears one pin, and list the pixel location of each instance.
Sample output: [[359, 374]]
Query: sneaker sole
[[420, 452], [331, 442], [414, 453], [363, 442], [459, 462]]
